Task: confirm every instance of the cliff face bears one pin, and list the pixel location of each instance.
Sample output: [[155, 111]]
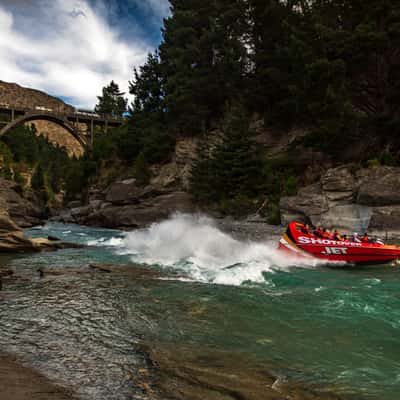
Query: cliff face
[[18, 96], [124, 204], [352, 200]]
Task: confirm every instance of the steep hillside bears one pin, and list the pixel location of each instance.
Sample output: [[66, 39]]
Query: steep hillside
[[12, 94]]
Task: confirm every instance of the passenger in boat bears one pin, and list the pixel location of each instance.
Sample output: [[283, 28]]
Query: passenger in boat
[[365, 238], [318, 232], [345, 238], [356, 238], [305, 229], [337, 236], [328, 234]]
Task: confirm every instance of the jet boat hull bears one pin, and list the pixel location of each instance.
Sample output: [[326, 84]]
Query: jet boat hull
[[302, 245]]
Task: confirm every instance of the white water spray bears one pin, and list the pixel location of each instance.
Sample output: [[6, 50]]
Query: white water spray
[[195, 246]]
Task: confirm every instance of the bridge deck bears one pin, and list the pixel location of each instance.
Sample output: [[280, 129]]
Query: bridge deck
[[71, 121], [70, 116]]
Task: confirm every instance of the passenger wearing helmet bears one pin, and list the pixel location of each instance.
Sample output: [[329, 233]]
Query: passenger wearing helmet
[[365, 238]]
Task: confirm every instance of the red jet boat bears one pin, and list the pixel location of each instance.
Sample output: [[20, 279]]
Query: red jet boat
[[303, 245]]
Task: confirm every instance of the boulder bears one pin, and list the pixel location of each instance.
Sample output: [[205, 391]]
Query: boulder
[[368, 199], [348, 217], [386, 218], [141, 214], [24, 212], [339, 185], [127, 192], [123, 193], [308, 206], [168, 176], [379, 186], [7, 224], [338, 179], [16, 241]]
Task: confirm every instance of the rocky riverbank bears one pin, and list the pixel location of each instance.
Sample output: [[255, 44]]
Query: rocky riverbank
[[22, 207], [18, 211], [347, 197], [124, 204], [351, 199], [13, 239]]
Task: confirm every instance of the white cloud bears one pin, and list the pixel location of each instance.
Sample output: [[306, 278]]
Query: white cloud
[[66, 49]]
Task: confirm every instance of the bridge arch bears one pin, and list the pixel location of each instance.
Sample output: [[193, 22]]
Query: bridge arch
[[46, 117]]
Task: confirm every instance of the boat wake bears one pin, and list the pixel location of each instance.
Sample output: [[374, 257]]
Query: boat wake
[[194, 246]]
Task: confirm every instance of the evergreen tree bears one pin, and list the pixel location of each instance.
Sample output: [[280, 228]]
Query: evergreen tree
[[187, 54], [111, 103], [202, 178], [38, 183], [231, 175], [38, 179], [141, 170], [235, 159], [147, 88]]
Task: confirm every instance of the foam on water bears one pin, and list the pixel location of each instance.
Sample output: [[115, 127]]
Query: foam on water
[[193, 244]]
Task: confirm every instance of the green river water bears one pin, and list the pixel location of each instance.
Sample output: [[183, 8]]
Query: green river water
[[333, 328]]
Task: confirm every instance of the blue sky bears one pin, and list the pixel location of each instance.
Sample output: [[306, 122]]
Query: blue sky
[[72, 48]]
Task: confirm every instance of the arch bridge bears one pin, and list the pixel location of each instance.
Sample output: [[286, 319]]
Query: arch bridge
[[79, 124]]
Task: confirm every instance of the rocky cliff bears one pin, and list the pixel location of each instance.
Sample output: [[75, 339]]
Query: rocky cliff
[[17, 212], [23, 209], [124, 204], [15, 95], [350, 199]]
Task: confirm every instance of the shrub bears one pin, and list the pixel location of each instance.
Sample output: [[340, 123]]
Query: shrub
[[141, 170], [290, 186], [388, 159], [374, 162], [273, 213]]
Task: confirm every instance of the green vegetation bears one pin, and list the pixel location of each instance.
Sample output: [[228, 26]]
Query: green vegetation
[[229, 174], [23, 153], [141, 170], [112, 103], [330, 67]]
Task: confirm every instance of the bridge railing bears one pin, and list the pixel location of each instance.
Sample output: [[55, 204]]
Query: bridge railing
[[61, 112]]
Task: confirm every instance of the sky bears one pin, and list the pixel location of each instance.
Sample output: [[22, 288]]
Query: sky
[[72, 48]]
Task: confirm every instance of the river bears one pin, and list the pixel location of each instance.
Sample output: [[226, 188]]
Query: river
[[214, 300]]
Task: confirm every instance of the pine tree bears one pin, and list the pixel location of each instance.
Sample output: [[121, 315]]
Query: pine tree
[[141, 170], [147, 88], [111, 103], [236, 162], [232, 174], [192, 93], [38, 183], [201, 177], [38, 180]]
